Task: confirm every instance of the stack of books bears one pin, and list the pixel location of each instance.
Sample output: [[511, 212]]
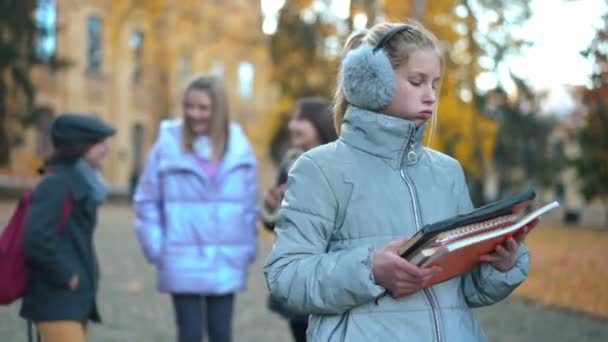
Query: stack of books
[[457, 244]]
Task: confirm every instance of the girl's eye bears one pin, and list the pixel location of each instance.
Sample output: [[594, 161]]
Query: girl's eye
[[416, 83]]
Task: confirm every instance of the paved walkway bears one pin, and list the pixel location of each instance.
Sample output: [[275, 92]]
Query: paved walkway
[[135, 312]]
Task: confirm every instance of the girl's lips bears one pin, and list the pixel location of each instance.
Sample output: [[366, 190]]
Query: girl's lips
[[427, 113]]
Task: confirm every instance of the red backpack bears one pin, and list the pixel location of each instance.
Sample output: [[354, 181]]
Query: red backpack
[[14, 270]]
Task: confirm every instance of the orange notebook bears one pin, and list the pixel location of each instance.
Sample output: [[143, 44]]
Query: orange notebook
[[459, 248]]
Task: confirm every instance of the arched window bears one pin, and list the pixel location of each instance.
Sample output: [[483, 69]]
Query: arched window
[[137, 46], [46, 21], [94, 43], [246, 80]]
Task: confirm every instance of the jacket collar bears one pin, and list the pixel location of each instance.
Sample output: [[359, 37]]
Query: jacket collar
[[238, 151], [77, 184], [393, 139]]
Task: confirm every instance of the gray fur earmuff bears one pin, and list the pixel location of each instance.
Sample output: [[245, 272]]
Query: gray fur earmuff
[[368, 79]]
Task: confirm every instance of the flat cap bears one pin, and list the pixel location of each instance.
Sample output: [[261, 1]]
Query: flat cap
[[70, 129]]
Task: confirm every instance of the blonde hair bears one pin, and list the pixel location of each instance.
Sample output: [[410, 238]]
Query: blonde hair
[[398, 49], [220, 118]]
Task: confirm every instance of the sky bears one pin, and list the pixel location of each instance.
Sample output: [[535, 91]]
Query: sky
[[558, 29]]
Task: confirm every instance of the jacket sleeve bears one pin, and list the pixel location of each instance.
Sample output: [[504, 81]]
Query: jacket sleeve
[[269, 218], [484, 284], [148, 208], [300, 272], [40, 239]]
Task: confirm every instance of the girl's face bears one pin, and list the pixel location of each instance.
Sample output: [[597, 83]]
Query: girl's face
[[96, 155], [303, 134], [417, 82], [197, 109]]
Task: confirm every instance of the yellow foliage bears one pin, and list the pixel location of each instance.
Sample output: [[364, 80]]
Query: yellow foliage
[[397, 10], [180, 39], [188, 37], [461, 131], [303, 3]]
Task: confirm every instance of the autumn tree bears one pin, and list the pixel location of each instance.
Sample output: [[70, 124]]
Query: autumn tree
[[19, 32], [477, 36], [592, 164], [304, 53], [299, 55], [525, 155], [462, 130]]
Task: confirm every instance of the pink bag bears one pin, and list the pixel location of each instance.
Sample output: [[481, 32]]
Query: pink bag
[[14, 271]]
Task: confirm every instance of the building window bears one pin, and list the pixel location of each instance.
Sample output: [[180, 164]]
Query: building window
[[94, 48], [46, 21], [184, 70], [332, 46], [137, 42], [246, 80], [217, 69]]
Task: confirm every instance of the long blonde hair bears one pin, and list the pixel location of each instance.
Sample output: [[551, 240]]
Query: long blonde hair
[[399, 49], [220, 117]]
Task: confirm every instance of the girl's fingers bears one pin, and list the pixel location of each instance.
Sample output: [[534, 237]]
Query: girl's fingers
[[396, 244], [409, 269], [489, 258], [492, 258], [527, 229], [407, 286], [533, 223], [431, 271], [502, 252], [408, 278], [522, 235], [429, 277], [404, 288], [512, 245]]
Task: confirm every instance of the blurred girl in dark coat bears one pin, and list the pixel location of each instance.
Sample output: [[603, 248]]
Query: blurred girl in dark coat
[[60, 297], [311, 126]]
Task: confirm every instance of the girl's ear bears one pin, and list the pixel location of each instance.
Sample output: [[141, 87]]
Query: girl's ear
[[368, 78]]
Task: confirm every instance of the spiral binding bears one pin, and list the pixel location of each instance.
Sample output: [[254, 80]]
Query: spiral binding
[[485, 225]]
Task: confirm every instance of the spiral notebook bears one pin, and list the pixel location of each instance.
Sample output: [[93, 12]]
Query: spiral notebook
[[457, 244]]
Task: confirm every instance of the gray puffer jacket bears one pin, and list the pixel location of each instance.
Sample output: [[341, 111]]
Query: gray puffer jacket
[[347, 199]]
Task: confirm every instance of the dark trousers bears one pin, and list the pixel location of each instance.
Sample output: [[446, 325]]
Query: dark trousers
[[298, 329], [190, 317]]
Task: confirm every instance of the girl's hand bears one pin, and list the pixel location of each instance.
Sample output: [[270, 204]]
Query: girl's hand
[[505, 255], [74, 281], [397, 275], [273, 198]]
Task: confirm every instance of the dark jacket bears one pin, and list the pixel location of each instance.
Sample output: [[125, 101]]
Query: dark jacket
[[269, 218], [54, 259]]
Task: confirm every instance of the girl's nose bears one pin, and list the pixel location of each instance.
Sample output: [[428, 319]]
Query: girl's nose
[[430, 95]]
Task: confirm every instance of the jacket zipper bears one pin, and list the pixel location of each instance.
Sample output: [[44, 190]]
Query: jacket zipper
[[412, 157]]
